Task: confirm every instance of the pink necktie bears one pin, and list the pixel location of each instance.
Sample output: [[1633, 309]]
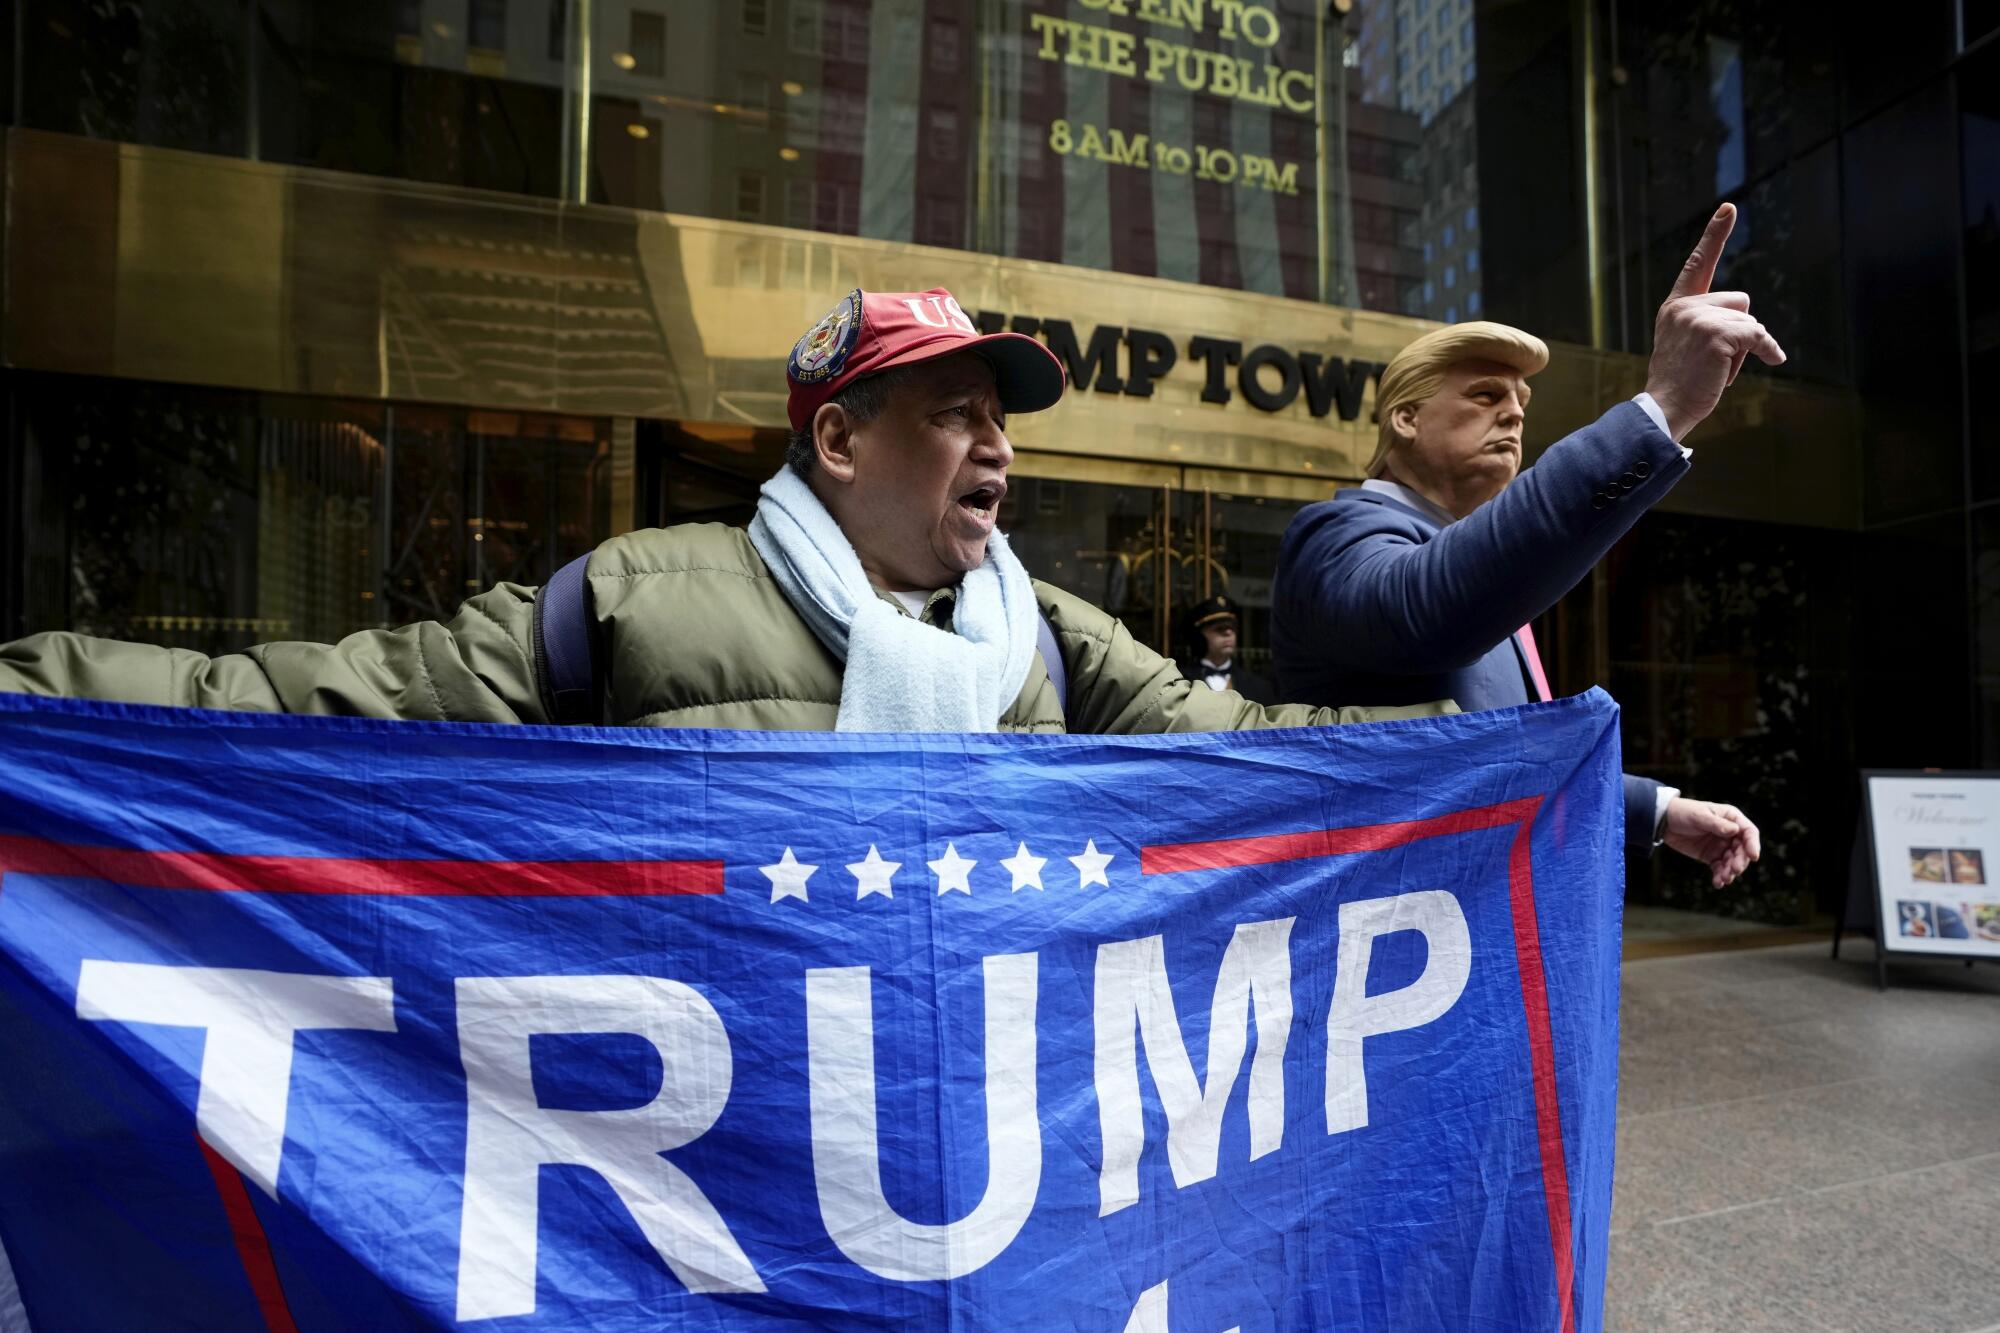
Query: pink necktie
[[1527, 633]]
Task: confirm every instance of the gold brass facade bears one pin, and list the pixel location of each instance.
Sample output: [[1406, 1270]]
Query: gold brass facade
[[154, 264]]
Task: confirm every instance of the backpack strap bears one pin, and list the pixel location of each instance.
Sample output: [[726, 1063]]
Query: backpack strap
[[566, 645], [1051, 651]]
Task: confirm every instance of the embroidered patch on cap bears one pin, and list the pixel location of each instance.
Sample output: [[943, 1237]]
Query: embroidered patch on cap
[[823, 351]]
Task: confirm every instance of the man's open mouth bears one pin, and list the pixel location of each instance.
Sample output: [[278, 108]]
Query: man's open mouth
[[984, 502]]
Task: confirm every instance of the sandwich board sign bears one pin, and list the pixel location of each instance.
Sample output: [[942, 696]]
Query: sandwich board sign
[[1932, 857]]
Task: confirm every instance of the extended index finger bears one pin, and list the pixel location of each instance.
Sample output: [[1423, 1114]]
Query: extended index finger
[[1699, 271]]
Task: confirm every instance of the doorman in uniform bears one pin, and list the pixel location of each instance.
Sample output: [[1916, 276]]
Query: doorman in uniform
[[1215, 627]]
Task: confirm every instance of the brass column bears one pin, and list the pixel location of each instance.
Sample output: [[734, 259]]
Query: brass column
[[1583, 24], [576, 86]]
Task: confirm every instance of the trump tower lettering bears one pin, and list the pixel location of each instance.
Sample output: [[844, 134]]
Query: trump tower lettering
[[324, 1023]]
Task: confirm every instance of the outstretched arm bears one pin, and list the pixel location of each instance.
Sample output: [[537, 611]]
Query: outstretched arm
[[1359, 584], [1376, 599], [477, 667]]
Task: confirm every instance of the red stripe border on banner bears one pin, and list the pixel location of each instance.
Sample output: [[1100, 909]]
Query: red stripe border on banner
[[253, 1247], [220, 872], [1172, 858]]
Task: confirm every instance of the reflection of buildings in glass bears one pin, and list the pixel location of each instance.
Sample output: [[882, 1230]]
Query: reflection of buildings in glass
[[896, 121], [683, 100], [1418, 56], [1383, 146], [1449, 225], [760, 112]]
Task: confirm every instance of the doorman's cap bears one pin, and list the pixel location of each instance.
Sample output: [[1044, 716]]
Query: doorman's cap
[[1214, 611], [870, 332]]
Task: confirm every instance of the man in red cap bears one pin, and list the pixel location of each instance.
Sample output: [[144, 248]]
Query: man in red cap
[[872, 591]]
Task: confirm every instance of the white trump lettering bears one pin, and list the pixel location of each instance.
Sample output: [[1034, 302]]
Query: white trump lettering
[[846, 1148], [1149, 1314], [510, 1136], [1132, 992], [246, 1059], [1356, 1015]]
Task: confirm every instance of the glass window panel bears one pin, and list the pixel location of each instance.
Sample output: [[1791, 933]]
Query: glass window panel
[[213, 520], [647, 43], [942, 134], [945, 53], [486, 24], [753, 100], [750, 196], [807, 20], [799, 203], [463, 95]]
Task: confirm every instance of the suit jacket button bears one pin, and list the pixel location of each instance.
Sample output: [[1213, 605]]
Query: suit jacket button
[[1642, 469], [1600, 501], [1629, 480]]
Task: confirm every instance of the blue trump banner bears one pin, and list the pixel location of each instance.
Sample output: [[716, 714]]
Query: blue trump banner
[[325, 1024]]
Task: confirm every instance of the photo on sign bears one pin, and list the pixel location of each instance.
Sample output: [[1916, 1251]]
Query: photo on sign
[[1985, 921], [1968, 867], [1951, 925], [1927, 864], [1915, 919]]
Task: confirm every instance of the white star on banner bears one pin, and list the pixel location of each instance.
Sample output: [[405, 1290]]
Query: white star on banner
[[872, 875], [1090, 866], [1026, 868], [951, 870], [788, 877]]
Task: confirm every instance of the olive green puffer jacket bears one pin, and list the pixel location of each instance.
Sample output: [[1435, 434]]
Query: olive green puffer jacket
[[696, 634]]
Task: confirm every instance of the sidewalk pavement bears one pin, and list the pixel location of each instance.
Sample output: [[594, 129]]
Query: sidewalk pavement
[[1797, 1151]]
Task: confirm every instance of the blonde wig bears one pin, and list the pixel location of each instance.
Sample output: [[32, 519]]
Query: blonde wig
[[1415, 374]]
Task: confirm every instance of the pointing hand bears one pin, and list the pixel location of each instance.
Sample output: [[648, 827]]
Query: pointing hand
[[1701, 337]]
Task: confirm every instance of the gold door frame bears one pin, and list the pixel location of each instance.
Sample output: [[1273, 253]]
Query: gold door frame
[[1199, 487]]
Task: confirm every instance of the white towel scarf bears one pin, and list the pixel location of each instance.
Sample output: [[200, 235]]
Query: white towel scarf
[[901, 674]]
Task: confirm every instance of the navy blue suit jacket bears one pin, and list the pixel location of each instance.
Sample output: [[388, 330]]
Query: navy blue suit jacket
[[1376, 603]]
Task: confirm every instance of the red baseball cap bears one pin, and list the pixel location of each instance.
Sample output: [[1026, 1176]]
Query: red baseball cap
[[870, 332]]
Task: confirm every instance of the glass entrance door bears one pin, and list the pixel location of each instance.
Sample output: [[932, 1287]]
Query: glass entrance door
[[1150, 544], [1101, 541], [1231, 548]]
